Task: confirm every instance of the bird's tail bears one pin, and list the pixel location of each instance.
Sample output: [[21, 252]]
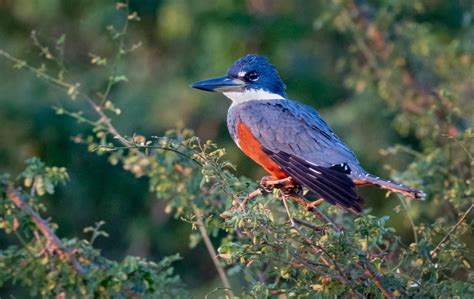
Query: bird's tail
[[368, 179]]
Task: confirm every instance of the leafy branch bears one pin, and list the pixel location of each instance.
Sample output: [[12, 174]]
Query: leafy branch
[[104, 121], [54, 244], [280, 249]]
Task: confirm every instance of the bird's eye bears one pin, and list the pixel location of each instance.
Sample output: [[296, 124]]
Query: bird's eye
[[252, 76]]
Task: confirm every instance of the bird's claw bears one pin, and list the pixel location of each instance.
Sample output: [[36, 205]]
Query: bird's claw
[[269, 183], [286, 186]]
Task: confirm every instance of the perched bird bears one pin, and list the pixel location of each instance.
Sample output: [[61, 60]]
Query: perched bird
[[289, 139]]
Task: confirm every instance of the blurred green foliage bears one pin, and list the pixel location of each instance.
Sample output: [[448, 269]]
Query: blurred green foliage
[[381, 72]]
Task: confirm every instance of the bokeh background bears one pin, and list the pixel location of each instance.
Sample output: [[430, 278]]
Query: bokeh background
[[182, 42]]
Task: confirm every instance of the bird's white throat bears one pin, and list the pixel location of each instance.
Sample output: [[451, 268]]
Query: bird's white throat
[[251, 95]]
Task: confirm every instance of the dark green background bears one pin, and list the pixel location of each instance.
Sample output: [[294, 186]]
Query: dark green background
[[183, 41]]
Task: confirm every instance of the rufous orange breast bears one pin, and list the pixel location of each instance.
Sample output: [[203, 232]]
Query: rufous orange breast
[[252, 148]]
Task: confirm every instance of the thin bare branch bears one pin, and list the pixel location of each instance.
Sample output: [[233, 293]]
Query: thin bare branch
[[315, 248], [212, 252], [139, 146], [412, 222], [18, 63], [301, 200], [308, 225], [451, 231], [376, 280], [119, 54]]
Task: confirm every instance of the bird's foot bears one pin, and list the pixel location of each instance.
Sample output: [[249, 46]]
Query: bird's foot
[[268, 183]]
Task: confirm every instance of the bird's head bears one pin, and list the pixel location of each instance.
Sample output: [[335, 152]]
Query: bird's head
[[252, 77]]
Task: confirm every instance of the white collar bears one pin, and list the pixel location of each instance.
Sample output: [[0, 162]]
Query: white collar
[[238, 97]]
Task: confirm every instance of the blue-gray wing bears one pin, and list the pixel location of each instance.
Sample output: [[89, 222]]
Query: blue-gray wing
[[297, 129], [303, 145]]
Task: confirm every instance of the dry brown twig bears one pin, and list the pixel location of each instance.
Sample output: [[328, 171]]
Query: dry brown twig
[[374, 276]]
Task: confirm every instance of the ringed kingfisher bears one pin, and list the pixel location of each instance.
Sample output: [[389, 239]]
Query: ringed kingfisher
[[290, 140]]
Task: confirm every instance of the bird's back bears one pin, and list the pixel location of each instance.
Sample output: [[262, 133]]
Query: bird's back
[[294, 128]]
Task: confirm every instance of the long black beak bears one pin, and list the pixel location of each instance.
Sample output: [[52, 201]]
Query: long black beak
[[220, 84]]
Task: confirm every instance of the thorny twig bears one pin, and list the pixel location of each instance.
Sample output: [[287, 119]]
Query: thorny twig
[[304, 262], [212, 252], [118, 55], [157, 147], [446, 237], [332, 263], [372, 274], [54, 244], [301, 261], [309, 225], [376, 280], [284, 198], [410, 219], [310, 266], [252, 195], [317, 212]]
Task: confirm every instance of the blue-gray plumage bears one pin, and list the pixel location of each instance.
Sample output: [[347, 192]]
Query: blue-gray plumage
[[292, 127], [290, 139]]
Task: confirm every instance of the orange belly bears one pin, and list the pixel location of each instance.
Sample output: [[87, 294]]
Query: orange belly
[[251, 147]]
